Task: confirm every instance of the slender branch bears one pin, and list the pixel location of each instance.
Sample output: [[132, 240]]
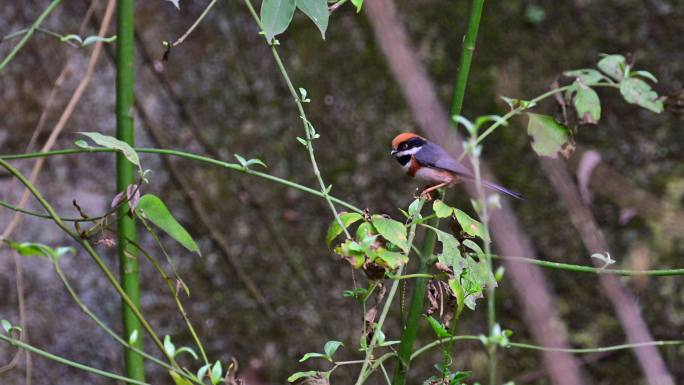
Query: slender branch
[[27, 35], [194, 25], [520, 345], [61, 360], [200, 158], [173, 291], [594, 270], [308, 127], [101, 323]]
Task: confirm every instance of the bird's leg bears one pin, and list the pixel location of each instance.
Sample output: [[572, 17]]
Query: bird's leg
[[427, 191]]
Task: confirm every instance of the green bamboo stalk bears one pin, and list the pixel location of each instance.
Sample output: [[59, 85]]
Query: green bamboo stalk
[[125, 175], [467, 56]]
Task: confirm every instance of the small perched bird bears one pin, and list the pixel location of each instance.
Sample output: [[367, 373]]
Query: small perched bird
[[423, 159]]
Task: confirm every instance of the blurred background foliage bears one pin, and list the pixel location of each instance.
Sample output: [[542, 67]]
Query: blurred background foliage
[[228, 86]]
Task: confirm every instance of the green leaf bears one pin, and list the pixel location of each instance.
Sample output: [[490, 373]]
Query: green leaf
[[188, 350], [587, 104], [469, 225], [82, 144], [645, 74], [613, 66], [413, 207], [72, 37], [177, 379], [153, 209], [335, 229], [331, 347], [391, 230], [111, 142], [32, 249], [6, 325], [275, 16], [451, 255], [302, 141], [311, 355], [169, 347], [317, 11], [298, 375], [364, 230], [441, 209], [473, 246], [358, 4], [216, 372], [246, 163], [439, 329], [202, 372], [589, 76], [392, 259], [637, 91], [133, 338], [94, 39], [548, 137]]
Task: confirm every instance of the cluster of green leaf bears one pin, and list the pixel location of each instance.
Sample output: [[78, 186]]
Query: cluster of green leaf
[[379, 243], [276, 15], [551, 137]]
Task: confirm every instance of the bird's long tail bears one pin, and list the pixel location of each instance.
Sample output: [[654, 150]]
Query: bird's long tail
[[502, 189], [495, 187]]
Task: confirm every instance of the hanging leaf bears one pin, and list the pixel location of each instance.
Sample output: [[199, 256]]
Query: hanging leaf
[[331, 347], [298, 375], [441, 209], [469, 225], [358, 4], [152, 208], [613, 66], [178, 379], [311, 355], [392, 231], [548, 137], [589, 76], [439, 329], [33, 249], [275, 16], [587, 104], [94, 39], [392, 259], [317, 11], [637, 91], [334, 230], [111, 142]]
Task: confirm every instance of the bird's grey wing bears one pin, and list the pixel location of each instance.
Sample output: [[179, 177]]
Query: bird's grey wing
[[433, 155]]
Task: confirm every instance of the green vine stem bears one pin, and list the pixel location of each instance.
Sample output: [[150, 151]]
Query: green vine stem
[[365, 373], [101, 323], [194, 25], [308, 127], [520, 345], [28, 33], [200, 158], [62, 360], [92, 253]]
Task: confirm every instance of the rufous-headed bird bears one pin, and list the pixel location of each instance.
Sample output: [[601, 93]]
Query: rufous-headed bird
[[425, 160]]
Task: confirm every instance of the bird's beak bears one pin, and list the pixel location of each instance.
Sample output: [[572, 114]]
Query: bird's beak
[[393, 152]]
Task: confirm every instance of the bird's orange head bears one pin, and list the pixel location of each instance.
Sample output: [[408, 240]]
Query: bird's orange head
[[403, 137]]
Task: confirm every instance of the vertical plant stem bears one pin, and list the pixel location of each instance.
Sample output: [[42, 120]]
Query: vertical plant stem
[[128, 263], [483, 211], [365, 372], [467, 56], [408, 335]]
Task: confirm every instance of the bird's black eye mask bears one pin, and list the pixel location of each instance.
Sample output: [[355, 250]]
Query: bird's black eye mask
[[411, 143]]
